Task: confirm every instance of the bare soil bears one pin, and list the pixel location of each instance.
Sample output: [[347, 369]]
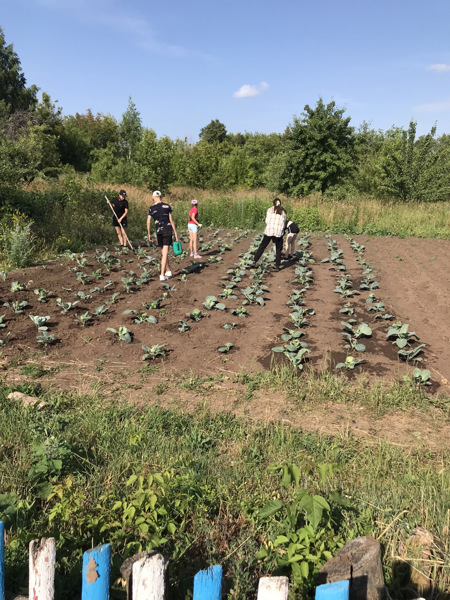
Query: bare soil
[[414, 284]]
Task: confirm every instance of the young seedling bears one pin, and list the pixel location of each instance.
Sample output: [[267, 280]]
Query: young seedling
[[229, 326], [228, 293], [141, 317], [349, 364], [83, 278], [85, 318], [353, 333], [153, 305], [291, 334], [83, 296], [100, 310], [5, 340], [239, 312], [226, 348], [81, 260], [212, 302], [42, 294], [299, 316], [195, 315], [123, 333], [411, 354], [114, 297], [65, 306], [128, 283], [16, 306], [154, 351], [98, 274], [17, 287], [107, 285], [183, 326], [296, 355], [401, 334], [45, 338], [347, 310], [40, 322], [421, 377], [253, 296], [2, 324]]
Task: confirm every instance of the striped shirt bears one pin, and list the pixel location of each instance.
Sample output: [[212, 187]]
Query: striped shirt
[[274, 223]]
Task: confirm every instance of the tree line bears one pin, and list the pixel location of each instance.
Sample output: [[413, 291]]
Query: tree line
[[319, 151]]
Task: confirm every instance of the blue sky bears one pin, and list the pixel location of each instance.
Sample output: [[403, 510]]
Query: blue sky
[[252, 64]]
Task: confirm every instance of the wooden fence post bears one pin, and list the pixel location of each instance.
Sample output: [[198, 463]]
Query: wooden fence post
[[2, 561], [149, 579], [208, 584], [41, 572], [338, 590], [96, 568], [273, 588]]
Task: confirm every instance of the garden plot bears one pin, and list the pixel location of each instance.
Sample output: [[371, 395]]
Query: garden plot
[[345, 306]]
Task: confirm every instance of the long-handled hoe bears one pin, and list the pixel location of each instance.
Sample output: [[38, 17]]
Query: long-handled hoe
[[123, 230]]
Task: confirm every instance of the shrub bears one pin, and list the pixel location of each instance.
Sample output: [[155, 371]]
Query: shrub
[[18, 242]]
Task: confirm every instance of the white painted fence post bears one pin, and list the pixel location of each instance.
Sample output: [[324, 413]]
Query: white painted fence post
[[149, 578], [41, 584], [273, 588]]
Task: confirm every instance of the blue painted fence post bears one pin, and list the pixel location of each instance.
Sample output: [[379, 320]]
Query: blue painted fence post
[[2, 561], [96, 568], [338, 590], [208, 584]]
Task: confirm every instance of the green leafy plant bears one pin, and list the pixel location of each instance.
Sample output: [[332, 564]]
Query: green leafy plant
[[2, 324], [141, 317], [85, 318], [66, 306], [42, 294], [5, 340], [212, 302], [421, 377], [83, 278], [353, 332], [401, 334], [40, 322], [83, 296], [411, 354], [226, 348], [154, 351], [229, 325], [16, 306], [241, 311], [195, 315], [100, 310], [16, 286], [123, 334], [183, 326], [154, 304], [45, 338], [350, 363]]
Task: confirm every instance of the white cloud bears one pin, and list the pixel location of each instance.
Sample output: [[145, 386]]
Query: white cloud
[[432, 107], [249, 91], [440, 67]]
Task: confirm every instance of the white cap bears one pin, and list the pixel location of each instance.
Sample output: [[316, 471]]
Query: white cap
[[156, 194]]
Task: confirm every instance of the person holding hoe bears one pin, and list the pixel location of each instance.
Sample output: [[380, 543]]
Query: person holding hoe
[[193, 226], [161, 213], [120, 210]]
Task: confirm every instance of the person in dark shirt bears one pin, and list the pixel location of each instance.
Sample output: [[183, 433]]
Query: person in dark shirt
[[161, 213], [292, 232], [120, 206]]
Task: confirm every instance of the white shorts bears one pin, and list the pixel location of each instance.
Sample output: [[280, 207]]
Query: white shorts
[[192, 227]]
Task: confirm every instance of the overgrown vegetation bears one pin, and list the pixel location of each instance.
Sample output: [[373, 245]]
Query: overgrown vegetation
[[202, 489]]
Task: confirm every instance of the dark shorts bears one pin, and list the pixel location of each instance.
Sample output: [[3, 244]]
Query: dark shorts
[[164, 239], [117, 224]]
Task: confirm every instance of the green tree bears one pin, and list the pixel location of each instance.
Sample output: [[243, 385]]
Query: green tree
[[414, 169], [319, 150], [14, 94], [130, 130], [213, 133]]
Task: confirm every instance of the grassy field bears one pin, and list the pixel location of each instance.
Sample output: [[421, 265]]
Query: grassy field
[[69, 469]]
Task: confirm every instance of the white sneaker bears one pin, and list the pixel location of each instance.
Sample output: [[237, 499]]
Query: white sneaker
[[168, 274], [162, 278], [192, 254]]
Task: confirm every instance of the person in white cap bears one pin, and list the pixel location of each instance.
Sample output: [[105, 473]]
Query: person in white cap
[[193, 226], [161, 213]]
